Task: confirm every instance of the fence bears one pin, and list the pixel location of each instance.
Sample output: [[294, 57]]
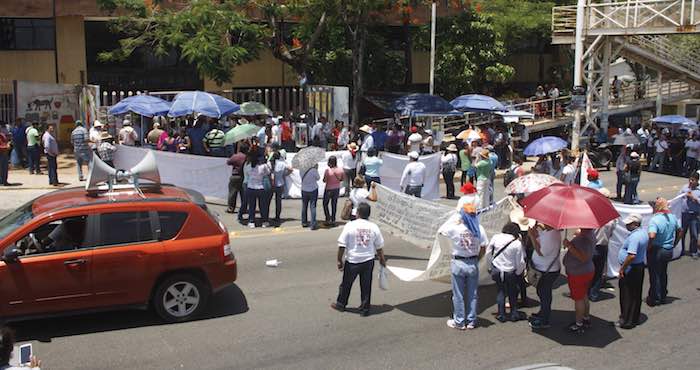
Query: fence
[[7, 101], [315, 100]]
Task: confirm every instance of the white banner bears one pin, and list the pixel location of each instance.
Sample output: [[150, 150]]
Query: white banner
[[417, 221], [620, 233], [393, 166], [585, 165]]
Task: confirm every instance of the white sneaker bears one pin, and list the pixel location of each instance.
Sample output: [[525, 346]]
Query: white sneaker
[[451, 324], [266, 224], [251, 225]]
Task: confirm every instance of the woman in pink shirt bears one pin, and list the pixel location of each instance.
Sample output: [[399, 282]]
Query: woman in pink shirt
[[333, 177]]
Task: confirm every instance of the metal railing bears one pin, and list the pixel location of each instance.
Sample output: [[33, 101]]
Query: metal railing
[[663, 48], [673, 15]]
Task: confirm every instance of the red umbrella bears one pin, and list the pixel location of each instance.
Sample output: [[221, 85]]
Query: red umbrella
[[569, 206]]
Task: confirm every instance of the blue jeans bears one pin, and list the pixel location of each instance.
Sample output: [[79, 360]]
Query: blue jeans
[[658, 161], [308, 200], [4, 166], [620, 183], [244, 203], [82, 159], [600, 262], [465, 279], [330, 196], [34, 158], [277, 193], [658, 261], [544, 292], [256, 195], [691, 222], [53, 169], [508, 284], [631, 192], [370, 179]]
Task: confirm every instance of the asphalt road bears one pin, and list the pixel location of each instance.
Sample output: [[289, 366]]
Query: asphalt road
[[280, 318]]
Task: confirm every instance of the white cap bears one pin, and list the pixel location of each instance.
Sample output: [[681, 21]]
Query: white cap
[[428, 131], [126, 122], [634, 155], [413, 155], [97, 123], [632, 218]]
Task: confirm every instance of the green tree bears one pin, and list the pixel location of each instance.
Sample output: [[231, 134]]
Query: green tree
[[468, 55], [213, 36]]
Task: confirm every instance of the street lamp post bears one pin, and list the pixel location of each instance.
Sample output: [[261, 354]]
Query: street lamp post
[[432, 48]]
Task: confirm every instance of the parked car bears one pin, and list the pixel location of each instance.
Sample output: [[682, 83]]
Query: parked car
[[73, 250]]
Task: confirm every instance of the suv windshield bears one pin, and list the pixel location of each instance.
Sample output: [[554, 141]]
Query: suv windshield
[[16, 219]]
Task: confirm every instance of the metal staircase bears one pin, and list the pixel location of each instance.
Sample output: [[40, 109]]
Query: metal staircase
[[634, 29]]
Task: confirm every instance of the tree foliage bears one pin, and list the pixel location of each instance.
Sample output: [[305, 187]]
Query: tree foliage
[[469, 54], [521, 23], [213, 36]]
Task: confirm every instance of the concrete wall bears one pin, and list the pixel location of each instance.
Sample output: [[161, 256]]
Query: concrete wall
[[70, 45], [28, 65]]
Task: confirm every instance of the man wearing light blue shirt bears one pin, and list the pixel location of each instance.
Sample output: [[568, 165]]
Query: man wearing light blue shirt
[[631, 275], [664, 230]]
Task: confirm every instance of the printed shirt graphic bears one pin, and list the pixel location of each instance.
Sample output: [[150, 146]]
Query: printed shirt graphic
[[361, 240], [464, 242]]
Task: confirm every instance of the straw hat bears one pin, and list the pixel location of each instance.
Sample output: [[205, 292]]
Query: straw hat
[[105, 136], [366, 129], [452, 148], [97, 124], [517, 215], [352, 147], [484, 153], [606, 193]]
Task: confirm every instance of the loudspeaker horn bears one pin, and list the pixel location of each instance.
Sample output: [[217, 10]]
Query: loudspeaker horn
[[146, 169], [99, 172]]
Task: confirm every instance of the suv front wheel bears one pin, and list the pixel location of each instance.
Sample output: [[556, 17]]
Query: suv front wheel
[[180, 297]]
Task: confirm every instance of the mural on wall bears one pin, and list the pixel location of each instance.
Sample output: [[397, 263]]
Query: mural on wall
[[58, 104]]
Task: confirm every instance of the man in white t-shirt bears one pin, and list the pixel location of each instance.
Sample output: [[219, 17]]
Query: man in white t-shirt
[[413, 176], [568, 173], [127, 135], [359, 242], [276, 131], [414, 140], [545, 259], [661, 148]]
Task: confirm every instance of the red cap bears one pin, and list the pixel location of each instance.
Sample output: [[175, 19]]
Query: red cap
[[468, 188], [414, 129], [592, 172]]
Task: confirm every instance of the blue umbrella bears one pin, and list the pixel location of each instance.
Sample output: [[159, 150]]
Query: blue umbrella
[[545, 145], [673, 119], [477, 103], [422, 104], [204, 103], [144, 105]]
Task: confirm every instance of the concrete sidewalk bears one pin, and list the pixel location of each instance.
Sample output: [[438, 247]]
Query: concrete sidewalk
[[20, 179]]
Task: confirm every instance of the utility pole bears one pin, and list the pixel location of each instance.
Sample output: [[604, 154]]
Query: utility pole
[[578, 71], [432, 47]]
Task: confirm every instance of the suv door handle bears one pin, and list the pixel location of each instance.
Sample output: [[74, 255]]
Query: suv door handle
[[75, 262]]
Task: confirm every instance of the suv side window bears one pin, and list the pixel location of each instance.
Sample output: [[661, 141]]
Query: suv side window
[[125, 228], [64, 234], [170, 223]]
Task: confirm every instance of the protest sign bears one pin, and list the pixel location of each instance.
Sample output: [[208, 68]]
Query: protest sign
[[393, 167]]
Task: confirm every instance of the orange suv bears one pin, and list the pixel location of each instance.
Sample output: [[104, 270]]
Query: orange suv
[[71, 251]]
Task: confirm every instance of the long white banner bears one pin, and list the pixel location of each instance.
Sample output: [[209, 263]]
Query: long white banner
[[210, 175]]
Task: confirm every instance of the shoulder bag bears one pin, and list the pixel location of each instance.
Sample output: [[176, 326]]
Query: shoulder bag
[[493, 257], [533, 275]]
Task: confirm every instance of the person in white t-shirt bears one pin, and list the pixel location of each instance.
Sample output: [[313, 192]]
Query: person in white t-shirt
[[276, 131], [568, 173], [414, 140], [661, 146], [413, 176], [469, 240], [127, 135], [545, 259], [359, 194], [359, 242], [349, 160]]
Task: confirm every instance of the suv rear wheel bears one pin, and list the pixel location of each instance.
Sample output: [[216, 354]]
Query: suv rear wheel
[[180, 297]]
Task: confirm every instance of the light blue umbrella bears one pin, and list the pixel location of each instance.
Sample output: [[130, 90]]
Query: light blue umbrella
[[144, 105], [545, 145], [673, 119], [204, 103], [477, 103], [422, 105]]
